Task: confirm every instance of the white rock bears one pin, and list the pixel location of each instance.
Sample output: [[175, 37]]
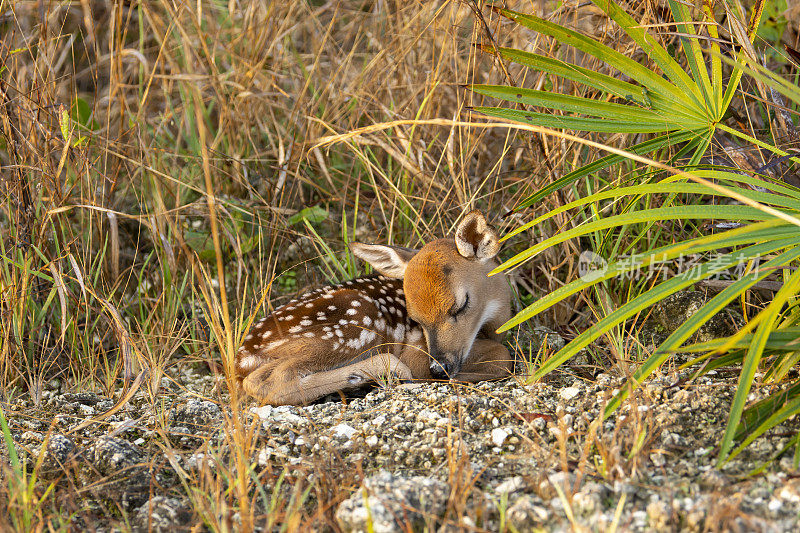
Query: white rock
[[511, 485], [499, 436], [658, 459], [343, 431], [789, 494], [372, 440], [264, 456], [262, 412], [569, 393], [428, 415]]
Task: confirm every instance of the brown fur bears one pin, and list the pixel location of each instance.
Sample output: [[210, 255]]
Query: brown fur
[[374, 328]]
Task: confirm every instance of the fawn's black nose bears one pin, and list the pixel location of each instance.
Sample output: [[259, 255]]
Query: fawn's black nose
[[442, 370]]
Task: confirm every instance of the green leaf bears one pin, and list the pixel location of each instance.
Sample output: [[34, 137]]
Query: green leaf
[[639, 149], [638, 305], [63, 123], [80, 112], [314, 215], [574, 104], [576, 123], [651, 80], [664, 187], [654, 50], [601, 82], [760, 231], [752, 359], [694, 55], [702, 212], [767, 77], [684, 331], [200, 242]]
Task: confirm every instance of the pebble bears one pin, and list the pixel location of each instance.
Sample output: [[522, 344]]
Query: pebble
[[343, 431], [499, 436], [568, 393]]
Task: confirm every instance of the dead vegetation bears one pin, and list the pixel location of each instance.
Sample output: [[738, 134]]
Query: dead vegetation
[[162, 183]]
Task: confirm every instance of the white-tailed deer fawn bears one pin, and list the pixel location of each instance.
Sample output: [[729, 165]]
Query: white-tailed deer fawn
[[430, 314]]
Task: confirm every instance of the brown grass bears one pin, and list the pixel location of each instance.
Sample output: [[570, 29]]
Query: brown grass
[[142, 233]]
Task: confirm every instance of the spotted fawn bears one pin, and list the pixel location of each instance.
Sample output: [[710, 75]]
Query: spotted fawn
[[428, 314]]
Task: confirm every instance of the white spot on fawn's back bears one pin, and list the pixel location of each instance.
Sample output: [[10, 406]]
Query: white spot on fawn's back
[[248, 363], [275, 344]]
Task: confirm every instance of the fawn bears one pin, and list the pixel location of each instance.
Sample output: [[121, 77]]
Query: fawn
[[428, 314]]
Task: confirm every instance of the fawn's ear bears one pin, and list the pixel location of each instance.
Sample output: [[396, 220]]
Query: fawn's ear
[[476, 238], [391, 261]]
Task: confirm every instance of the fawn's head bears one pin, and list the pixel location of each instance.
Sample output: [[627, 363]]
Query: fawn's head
[[447, 289]]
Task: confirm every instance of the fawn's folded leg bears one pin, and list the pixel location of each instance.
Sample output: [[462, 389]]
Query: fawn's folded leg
[[284, 384]]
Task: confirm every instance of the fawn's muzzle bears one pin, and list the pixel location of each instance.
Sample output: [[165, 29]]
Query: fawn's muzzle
[[444, 369]]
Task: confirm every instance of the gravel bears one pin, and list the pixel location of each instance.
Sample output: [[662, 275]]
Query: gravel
[[387, 502], [433, 456]]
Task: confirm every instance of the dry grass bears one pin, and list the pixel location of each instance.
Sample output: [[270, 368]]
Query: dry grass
[[154, 153]]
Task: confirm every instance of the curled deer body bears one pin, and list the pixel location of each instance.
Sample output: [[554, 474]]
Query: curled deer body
[[428, 314]]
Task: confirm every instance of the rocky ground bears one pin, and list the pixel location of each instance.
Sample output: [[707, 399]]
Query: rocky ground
[[433, 456]]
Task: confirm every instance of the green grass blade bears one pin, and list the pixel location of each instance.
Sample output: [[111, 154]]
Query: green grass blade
[[752, 359], [646, 77], [736, 237], [638, 305], [759, 412], [570, 104], [590, 78], [771, 461], [787, 411], [646, 147], [784, 339], [694, 54], [654, 50], [600, 125], [706, 212], [9, 442], [730, 358]]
